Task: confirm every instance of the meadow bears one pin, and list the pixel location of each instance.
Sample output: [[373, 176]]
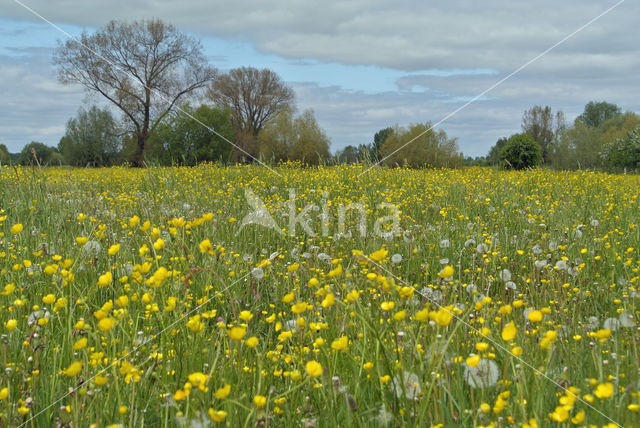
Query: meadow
[[169, 297]]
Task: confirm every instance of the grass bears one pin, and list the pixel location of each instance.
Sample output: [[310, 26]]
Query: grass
[[474, 297]]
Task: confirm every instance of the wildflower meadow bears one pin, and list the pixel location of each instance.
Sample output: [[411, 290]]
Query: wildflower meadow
[[328, 296]]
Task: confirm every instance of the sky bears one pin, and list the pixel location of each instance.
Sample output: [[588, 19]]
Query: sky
[[361, 65]]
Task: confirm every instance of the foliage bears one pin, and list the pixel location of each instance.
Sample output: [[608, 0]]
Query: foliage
[[36, 153], [91, 138], [294, 138], [493, 157], [192, 136], [521, 151], [5, 157], [420, 145], [624, 152], [595, 113], [144, 68], [580, 145]]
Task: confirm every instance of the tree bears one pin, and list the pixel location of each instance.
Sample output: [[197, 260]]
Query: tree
[[426, 147], [36, 153], [521, 151], [493, 157], [144, 68], [253, 96], [624, 152], [300, 138], [91, 138], [182, 138], [544, 127], [597, 112], [379, 138], [5, 157]]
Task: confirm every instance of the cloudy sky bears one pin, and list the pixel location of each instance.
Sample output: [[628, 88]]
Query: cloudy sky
[[362, 65]]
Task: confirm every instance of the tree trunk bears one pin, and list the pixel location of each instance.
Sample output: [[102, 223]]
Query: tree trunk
[[138, 158]]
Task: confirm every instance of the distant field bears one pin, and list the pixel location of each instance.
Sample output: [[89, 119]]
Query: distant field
[[184, 297]]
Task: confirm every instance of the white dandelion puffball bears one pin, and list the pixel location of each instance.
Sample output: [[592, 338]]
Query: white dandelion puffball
[[612, 324], [411, 385], [592, 323], [396, 258], [92, 248], [484, 375], [445, 243], [257, 273], [626, 320], [505, 275]]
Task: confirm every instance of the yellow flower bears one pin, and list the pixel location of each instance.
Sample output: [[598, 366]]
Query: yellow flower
[[106, 324], [222, 393], [578, 418], [200, 380], [16, 228], [105, 279], [509, 332], [293, 267], [443, 316], [194, 324], [113, 250], [340, 344], [236, 333], [299, 308], [159, 244], [80, 344], [251, 342], [49, 299], [206, 247], [473, 360], [447, 272], [100, 380], [260, 401], [4, 393], [604, 390], [217, 415], [73, 369], [246, 316], [134, 221], [11, 324], [314, 369], [378, 255], [400, 315], [387, 306], [535, 316], [368, 365], [81, 240]]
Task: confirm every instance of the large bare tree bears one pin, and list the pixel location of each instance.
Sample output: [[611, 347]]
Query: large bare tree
[[254, 96], [145, 68]]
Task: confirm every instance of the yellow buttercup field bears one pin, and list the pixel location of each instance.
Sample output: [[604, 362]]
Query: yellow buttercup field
[[318, 297]]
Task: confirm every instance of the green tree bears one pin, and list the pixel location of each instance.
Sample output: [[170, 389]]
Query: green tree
[[378, 139], [300, 138], [92, 138], [624, 152], [36, 153], [521, 151], [5, 157], [182, 138], [596, 113], [493, 157], [420, 145], [144, 68]]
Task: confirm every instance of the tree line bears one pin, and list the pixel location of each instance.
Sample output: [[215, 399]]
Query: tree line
[[602, 137], [174, 108]]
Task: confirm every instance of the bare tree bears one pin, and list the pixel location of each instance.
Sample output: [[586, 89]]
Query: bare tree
[[544, 127], [254, 96], [145, 68]]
